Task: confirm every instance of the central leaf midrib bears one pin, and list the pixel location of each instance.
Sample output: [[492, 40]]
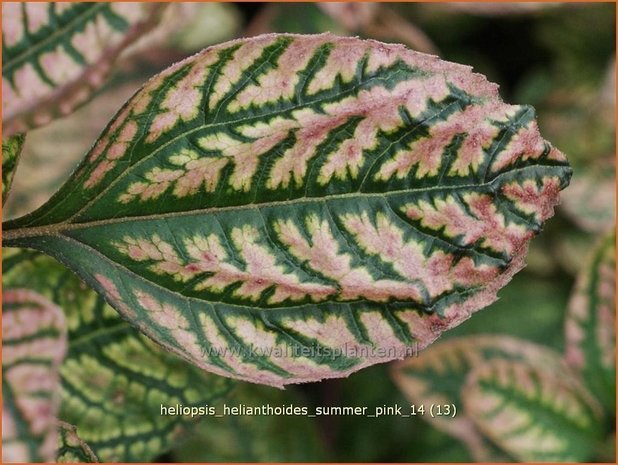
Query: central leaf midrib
[[55, 229], [514, 398]]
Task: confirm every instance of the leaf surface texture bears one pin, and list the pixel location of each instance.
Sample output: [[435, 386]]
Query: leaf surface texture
[[289, 208]]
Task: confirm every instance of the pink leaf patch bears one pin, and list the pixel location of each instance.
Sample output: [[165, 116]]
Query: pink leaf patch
[[33, 346]]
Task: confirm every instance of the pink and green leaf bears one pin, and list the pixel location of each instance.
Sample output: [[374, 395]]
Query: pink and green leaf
[[438, 374], [113, 380], [590, 323], [536, 412], [33, 347], [309, 195], [11, 151], [56, 55]]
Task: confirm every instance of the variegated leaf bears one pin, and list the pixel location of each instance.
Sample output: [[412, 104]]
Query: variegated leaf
[[533, 411], [114, 380], [11, 151], [590, 324], [438, 374], [55, 55], [33, 346], [72, 448], [289, 208]]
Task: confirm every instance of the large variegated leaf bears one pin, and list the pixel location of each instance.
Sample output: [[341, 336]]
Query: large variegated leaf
[[55, 55], [590, 324], [114, 380], [11, 151], [534, 412], [289, 208], [438, 374], [33, 346]]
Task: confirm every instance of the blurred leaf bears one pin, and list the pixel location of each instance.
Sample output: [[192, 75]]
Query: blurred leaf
[[500, 9], [368, 20], [607, 451], [535, 86], [491, 44], [72, 449], [187, 27], [211, 23], [56, 54], [114, 380], [299, 18], [569, 244], [33, 346], [540, 261], [254, 438], [576, 120], [384, 439], [580, 39], [607, 93], [11, 152], [435, 18], [388, 26], [590, 201], [352, 16], [437, 375], [536, 411], [590, 324]]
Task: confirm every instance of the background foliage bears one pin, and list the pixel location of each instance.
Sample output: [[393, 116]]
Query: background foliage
[[559, 59]]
